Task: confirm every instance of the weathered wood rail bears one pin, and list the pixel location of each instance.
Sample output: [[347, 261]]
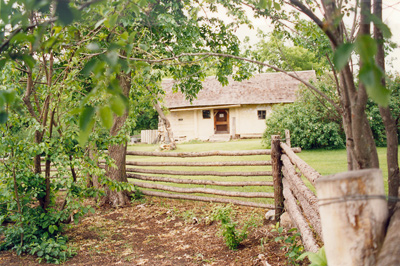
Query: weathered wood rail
[[161, 175], [298, 200]]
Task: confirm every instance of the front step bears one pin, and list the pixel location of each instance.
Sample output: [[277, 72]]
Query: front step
[[220, 138]]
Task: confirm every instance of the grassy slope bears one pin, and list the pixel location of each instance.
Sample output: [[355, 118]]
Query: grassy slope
[[324, 161]]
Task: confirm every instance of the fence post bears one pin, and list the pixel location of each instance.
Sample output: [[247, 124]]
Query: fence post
[[287, 137], [276, 153], [353, 212]]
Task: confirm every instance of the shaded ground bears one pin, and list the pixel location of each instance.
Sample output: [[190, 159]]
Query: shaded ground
[[163, 232]]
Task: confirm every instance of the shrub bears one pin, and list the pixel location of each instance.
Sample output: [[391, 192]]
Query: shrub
[[232, 236]]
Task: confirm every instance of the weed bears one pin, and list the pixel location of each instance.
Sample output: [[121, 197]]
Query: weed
[[137, 195], [291, 243], [317, 259], [232, 236]]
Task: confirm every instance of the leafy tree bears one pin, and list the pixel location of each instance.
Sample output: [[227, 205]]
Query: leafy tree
[[276, 51], [311, 122]]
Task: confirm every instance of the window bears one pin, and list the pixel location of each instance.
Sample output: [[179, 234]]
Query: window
[[261, 114], [206, 114]]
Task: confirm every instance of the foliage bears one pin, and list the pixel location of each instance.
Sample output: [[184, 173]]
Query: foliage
[[317, 259], [291, 244], [311, 122], [232, 236], [375, 119], [277, 52]]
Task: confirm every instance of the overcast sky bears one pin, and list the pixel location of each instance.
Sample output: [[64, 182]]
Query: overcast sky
[[391, 16]]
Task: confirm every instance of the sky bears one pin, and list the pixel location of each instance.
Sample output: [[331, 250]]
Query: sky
[[391, 16]]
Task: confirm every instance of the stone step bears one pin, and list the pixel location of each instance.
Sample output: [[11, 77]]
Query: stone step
[[220, 137]]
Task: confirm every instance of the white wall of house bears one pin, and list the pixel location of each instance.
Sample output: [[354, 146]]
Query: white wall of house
[[243, 121], [248, 122]]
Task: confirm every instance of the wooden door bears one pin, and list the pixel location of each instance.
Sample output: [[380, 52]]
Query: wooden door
[[221, 121]]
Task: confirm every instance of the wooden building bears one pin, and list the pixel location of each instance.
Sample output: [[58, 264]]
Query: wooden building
[[237, 110]]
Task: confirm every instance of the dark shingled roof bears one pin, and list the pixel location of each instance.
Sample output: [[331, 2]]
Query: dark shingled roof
[[259, 89]]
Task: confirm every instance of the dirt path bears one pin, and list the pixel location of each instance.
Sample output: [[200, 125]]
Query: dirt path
[[163, 232]]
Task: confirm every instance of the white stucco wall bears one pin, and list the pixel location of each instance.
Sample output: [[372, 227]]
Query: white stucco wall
[[190, 124], [248, 122]]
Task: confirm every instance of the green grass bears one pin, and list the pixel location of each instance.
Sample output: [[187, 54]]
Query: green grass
[[326, 162]]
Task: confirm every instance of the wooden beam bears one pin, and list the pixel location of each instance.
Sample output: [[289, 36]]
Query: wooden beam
[[277, 175], [205, 191], [234, 163], [199, 154], [198, 182], [305, 169], [207, 199], [294, 211], [198, 173], [306, 198]]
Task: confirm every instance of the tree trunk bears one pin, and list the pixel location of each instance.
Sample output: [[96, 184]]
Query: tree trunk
[[388, 120], [118, 153], [169, 136]]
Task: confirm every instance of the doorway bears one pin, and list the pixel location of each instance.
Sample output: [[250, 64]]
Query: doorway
[[221, 121]]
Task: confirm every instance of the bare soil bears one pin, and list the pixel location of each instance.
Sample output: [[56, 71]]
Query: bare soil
[[163, 232]]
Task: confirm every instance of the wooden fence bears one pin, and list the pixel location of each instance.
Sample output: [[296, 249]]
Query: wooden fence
[[162, 175], [148, 136], [296, 197]]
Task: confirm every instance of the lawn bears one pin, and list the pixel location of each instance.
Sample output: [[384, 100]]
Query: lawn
[[326, 162]]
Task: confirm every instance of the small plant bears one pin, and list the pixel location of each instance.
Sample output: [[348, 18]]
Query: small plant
[[232, 236], [290, 242], [137, 194], [317, 259]]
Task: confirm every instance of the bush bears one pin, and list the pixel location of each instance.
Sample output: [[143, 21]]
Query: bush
[[313, 123], [232, 236]]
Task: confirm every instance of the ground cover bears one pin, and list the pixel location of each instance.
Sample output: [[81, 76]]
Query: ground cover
[[165, 232]]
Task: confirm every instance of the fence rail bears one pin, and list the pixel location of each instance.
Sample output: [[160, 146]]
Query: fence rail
[[299, 201], [151, 175]]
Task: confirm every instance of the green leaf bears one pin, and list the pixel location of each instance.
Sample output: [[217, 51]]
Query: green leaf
[[28, 59], [382, 26], [86, 117], [89, 66], [262, 4], [64, 12], [99, 23], [117, 105], [93, 46], [2, 63], [342, 55], [371, 76], [366, 47], [9, 96], [277, 6], [3, 117], [106, 117]]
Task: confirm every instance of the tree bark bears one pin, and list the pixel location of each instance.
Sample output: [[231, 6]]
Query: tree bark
[[389, 121], [118, 153], [167, 126]]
